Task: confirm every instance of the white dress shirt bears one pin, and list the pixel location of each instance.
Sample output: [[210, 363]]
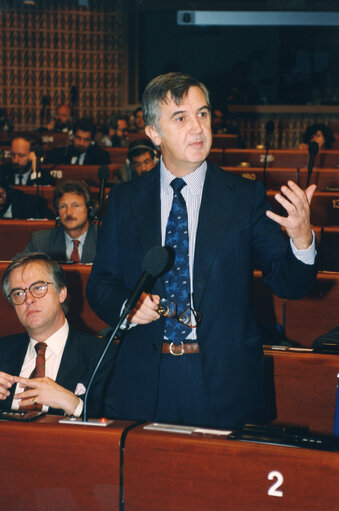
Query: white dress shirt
[[53, 355]]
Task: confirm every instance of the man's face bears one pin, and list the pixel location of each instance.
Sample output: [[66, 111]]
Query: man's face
[[319, 138], [139, 119], [41, 317], [184, 132], [20, 151], [143, 163], [63, 114], [73, 214], [82, 140], [122, 127], [3, 196]]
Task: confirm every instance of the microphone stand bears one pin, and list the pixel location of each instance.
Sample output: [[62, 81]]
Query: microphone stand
[[269, 130], [313, 150], [44, 102]]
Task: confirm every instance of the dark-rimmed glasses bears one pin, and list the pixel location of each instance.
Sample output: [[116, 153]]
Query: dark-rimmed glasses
[[168, 309], [38, 290]]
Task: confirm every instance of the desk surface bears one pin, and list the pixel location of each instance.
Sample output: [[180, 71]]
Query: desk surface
[[161, 471]]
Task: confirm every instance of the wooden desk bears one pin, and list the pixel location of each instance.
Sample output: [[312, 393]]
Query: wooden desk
[[86, 172], [46, 466], [224, 141], [80, 314], [275, 177], [200, 472], [280, 158], [15, 234], [325, 179], [304, 391]]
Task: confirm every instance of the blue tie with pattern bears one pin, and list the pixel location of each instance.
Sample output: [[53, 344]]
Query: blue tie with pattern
[[177, 280]]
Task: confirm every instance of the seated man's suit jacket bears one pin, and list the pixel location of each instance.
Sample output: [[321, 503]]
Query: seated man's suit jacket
[[94, 156], [80, 355], [52, 242], [234, 235]]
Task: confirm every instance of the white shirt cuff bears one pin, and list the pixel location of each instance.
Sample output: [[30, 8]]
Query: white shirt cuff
[[307, 255]]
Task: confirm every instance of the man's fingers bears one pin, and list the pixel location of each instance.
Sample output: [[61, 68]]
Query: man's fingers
[[276, 218], [309, 192]]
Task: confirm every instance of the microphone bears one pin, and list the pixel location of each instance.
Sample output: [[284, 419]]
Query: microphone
[[102, 174], [39, 152], [313, 150], [269, 127], [154, 263]]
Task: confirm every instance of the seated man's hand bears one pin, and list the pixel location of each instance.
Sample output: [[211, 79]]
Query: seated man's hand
[[6, 382], [47, 392]]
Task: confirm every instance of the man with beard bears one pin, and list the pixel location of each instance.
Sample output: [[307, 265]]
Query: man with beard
[[22, 168], [82, 151], [75, 238]]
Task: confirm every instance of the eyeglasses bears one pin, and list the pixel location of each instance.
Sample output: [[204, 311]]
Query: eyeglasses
[[190, 317], [38, 290]]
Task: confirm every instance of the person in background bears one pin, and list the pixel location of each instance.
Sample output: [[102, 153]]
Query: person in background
[[139, 125], [75, 238], [48, 367], [141, 158], [17, 204], [115, 133], [82, 151], [62, 122], [319, 133], [21, 170]]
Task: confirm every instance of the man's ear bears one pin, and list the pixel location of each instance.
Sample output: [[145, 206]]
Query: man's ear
[[63, 294], [153, 134]]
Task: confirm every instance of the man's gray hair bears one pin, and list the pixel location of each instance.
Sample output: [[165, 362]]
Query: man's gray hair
[[54, 269], [177, 84]]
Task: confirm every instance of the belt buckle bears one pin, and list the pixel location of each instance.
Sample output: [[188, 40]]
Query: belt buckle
[[174, 347]]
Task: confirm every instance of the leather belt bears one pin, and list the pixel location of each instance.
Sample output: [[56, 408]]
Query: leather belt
[[176, 349], [180, 349]]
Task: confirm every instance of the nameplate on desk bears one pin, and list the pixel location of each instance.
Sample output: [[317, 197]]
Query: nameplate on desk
[[185, 430]]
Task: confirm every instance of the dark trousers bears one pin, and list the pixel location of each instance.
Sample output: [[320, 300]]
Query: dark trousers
[[181, 394]]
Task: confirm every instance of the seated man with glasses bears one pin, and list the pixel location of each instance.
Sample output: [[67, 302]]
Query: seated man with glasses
[[82, 151], [49, 365]]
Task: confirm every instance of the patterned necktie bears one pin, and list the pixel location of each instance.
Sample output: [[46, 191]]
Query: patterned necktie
[[177, 280], [38, 372], [75, 253]]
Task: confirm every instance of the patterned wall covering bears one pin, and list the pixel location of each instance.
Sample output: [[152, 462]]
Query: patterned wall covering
[[51, 46]]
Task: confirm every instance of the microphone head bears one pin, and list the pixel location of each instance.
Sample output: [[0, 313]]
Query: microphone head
[[313, 148], [155, 261], [269, 126], [103, 173]]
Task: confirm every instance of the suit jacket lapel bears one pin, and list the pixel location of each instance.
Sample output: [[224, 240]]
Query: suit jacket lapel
[[13, 363], [89, 249], [145, 202], [70, 369], [216, 208]]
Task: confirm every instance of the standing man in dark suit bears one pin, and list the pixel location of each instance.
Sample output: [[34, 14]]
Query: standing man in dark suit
[[75, 239], [82, 151], [35, 286], [210, 372]]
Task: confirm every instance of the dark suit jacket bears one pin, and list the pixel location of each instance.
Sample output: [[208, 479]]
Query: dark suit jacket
[[78, 361], [7, 172], [52, 242], [233, 235], [94, 156], [24, 205]]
